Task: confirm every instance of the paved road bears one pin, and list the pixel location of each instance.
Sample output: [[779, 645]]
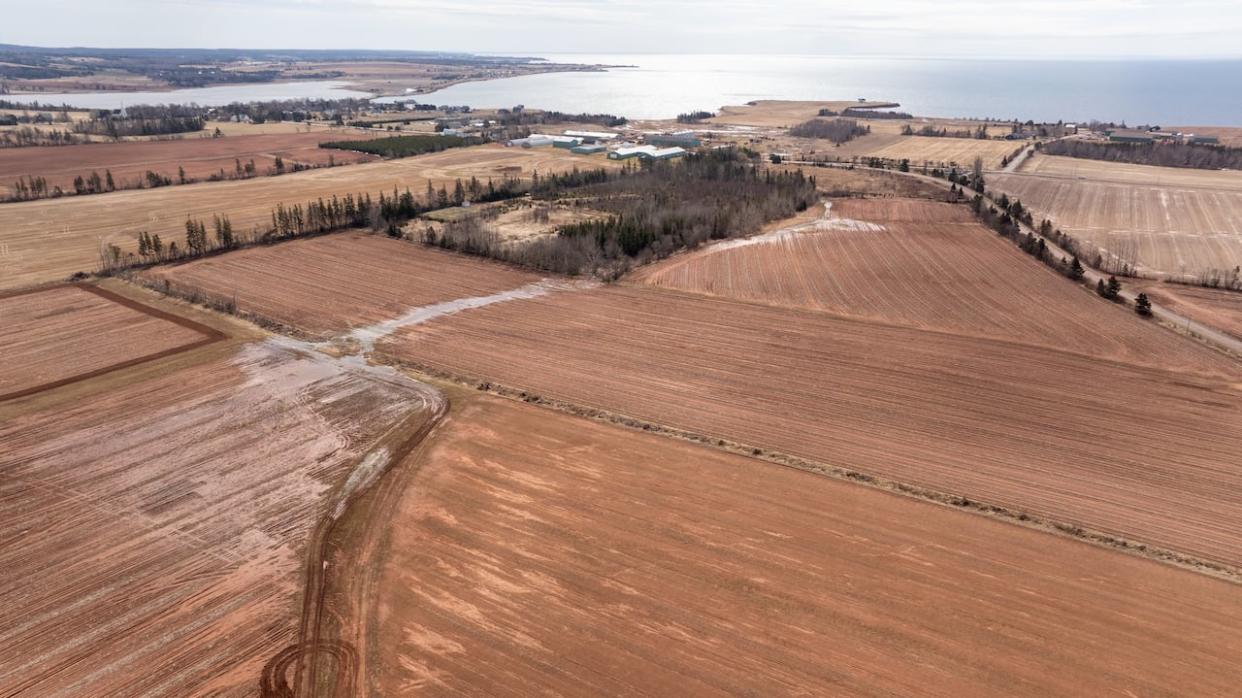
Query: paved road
[[1209, 334]]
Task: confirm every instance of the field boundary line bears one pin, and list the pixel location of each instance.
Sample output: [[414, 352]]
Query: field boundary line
[[210, 336], [928, 495]]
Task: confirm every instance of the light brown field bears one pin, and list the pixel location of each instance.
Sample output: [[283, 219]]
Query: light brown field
[[59, 333], [781, 113], [920, 264], [1170, 221], [1217, 308], [201, 157], [158, 529], [534, 552], [1132, 451], [51, 239], [329, 284], [918, 149]]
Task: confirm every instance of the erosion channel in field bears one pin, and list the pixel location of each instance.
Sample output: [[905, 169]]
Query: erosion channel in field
[[321, 662]]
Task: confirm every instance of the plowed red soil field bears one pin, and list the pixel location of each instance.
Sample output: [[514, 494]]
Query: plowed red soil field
[[201, 157], [919, 264], [328, 284], [1132, 451], [156, 533], [55, 335], [539, 553]]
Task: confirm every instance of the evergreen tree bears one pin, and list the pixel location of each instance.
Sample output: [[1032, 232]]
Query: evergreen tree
[[1142, 305]]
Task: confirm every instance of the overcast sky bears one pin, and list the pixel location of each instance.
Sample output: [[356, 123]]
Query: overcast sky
[[946, 28]]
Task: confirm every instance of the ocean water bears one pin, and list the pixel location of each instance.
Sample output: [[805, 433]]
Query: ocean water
[[205, 96], [1154, 92]]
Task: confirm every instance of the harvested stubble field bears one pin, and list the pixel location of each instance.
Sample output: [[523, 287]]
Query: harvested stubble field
[[162, 525], [201, 157], [918, 149], [1132, 451], [54, 336], [921, 264], [535, 552], [328, 284], [1171, 221], [51, 239], [780, 113]]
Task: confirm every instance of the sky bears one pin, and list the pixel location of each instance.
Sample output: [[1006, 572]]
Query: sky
[[930, 28]]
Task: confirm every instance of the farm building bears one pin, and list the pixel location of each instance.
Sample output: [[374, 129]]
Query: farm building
[[593, 136], [539, 140], [588, 149], [685, 139], [647, 152]]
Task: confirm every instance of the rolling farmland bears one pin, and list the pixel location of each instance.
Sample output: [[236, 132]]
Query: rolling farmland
[[48, 240], [329, 284], [129, 161], [54, 336], [167, 557], [1170, 221], [1073, 438], [920, 149], [919, 264], [538, 552]]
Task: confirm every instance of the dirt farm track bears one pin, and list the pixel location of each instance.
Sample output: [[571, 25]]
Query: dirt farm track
[[49, 240]]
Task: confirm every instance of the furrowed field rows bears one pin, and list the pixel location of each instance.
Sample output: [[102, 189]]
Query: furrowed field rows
[[199, 157], [328, 284], [167, 558], [1165, 220], [1127, 450], [920, 264], [539, 552], [50, 239], [55, 335]]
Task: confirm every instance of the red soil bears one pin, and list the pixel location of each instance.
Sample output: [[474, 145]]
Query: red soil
[[201, 157], [53, 336], [327, 284], [1132, 451], [156, 534], [538, 553], [918, 264]]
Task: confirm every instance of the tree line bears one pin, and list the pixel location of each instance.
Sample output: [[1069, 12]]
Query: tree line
[[649, 211], [1189, 155], [386, 212], [836, 130], [402, 146]]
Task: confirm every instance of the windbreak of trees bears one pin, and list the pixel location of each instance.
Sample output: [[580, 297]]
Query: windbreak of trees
[[117, 127], [867, 113], [979, 133], [521, 117], [1204, 157], [650, 212], [694, 117], [383, 213], [836, 130], [402, 146]]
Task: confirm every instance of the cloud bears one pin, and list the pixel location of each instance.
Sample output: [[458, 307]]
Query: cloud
[[1036, 28]]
